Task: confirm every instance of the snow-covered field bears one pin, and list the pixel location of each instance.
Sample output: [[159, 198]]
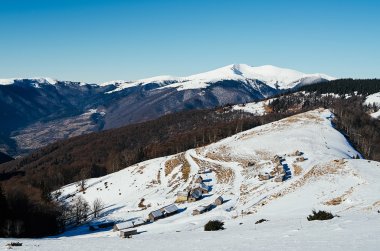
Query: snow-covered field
[[322, 176], [374, 99], [257, 108], [354, 232]]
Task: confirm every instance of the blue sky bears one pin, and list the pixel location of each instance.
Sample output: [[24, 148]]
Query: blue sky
[[96, 41]]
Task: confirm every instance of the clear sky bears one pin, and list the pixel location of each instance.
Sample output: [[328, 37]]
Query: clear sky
[[101, 40]]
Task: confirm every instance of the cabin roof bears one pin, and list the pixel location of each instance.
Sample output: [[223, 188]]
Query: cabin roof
[[171, 208], [124, 225], [156, 213], [203, 186], [182, 193], [219, 198], [196, 193]]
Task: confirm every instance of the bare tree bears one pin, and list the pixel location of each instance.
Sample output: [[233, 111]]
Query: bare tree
[[97, 206], [80, 210]]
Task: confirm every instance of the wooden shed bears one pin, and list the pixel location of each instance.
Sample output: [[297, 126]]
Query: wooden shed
[[127, 233], [219, 201], [155, 215], [264, 177], [129, 224], [198, 179], [204, 188], [195, 194], [182, 197], [202, 209], [279, 178], [163, 212], [300, 159], [170, 210]]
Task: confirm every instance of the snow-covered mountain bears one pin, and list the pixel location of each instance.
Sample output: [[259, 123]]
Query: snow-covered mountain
[[42, 104], [275, 77], [319, 172]]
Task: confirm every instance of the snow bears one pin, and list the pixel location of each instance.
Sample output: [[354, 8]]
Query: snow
[[376, 115], [257, 108], [37, 81], [273, 76], [343, 233], [327, 174], [373, 99]]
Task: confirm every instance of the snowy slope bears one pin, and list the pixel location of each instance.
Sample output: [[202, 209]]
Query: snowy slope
[[234, 176], [328, 178], [374, 100]]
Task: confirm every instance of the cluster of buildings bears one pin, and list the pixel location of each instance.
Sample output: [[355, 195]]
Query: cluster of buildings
[[193, 194]]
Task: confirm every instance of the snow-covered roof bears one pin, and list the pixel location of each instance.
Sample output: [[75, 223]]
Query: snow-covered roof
[[171, 209], [156, 213], [130, 223], [203, 186], [196, 193], [124, 225]]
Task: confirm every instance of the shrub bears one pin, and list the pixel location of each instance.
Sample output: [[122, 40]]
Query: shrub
[[214, 225], [260, 221], [320, 215]]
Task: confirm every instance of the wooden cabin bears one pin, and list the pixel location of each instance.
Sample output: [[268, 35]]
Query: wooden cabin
[[155, 215], [199, 179], [170, 210], [129, 224], [264, 177], [182, 197], [297, 153], [300, 159], [163, 212], [279, 178], [204, 188], [127, 233], [202, 209], [195, 194], [219, 201]]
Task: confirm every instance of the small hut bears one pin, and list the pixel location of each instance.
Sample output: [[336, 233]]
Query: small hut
[[202, 209], [264, 177], [219, 201], [170, 210], [199, 179], [182, 197], [129, 224], [300, 159], [155, 215], [297, 153], [195, 195], [127, 233], [204, 188], [279, 178]]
